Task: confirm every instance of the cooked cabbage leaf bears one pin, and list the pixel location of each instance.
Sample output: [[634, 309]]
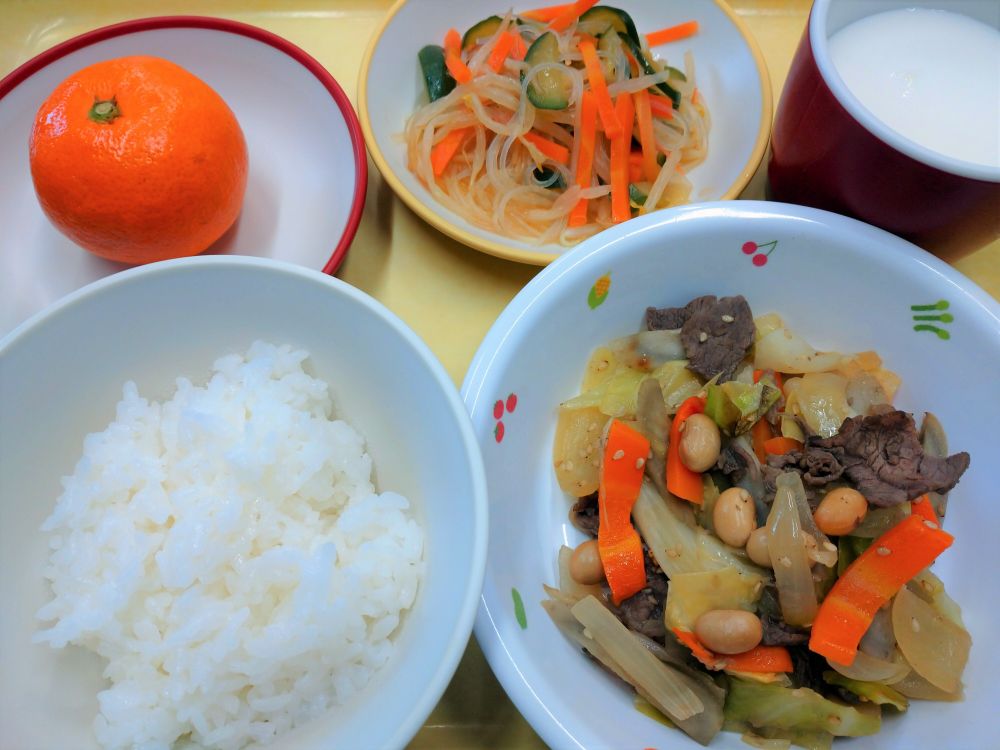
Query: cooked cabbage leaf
[[802, 709], [874, 692]]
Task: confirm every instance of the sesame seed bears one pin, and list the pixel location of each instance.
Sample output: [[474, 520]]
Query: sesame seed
[[883, 551], [786, 562], [592, 427], [568, 465], [728, 318], [640, 462], [930, 524], [703, 337], [619, 455], [914, 624]]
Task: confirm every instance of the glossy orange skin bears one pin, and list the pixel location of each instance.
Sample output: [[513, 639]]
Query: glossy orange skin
[[165, 179]]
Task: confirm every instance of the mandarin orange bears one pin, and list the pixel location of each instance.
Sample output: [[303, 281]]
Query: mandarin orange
[[138, 160]]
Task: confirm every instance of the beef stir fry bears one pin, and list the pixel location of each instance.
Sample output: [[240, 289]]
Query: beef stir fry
[[760, 524]]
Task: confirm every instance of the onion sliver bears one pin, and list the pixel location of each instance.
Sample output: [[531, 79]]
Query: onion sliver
[[935, 647]]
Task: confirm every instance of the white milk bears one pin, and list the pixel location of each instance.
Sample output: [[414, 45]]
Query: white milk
[[931, 75]]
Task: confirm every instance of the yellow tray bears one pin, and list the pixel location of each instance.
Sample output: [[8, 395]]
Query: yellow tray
[[448, 293]]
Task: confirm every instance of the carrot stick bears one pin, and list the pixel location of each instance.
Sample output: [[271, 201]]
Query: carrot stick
[[501, 50], [618, 543], [445, 149], [922, 507], [661, 107], [520, 49], [595, 75], [871, 581], [568, 16], [757, 659], [546, 14], [672, 33], [585, 160], [621, 147], [760, 433], [779, 446], [635, 166], [644, 117], [681, 481], [453, 57], [551, 149], [699, 652]]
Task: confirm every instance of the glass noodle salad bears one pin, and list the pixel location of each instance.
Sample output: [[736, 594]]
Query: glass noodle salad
[[547, 126], [761, 523]]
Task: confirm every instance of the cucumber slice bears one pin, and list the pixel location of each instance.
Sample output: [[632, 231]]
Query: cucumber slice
[[480, 31], [648, 68], [678, 74], [610, 43], [437, 79], [548, 178], [637, 194], [549, 90], [613, 18]]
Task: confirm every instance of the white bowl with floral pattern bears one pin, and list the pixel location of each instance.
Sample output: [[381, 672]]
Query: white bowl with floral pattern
[[842, 285]]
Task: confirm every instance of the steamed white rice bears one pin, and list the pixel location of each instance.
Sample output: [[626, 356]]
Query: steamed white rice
[[228, 555]]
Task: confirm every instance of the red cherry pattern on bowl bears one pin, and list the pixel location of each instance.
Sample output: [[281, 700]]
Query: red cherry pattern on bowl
[[508, 404], [765, 249]]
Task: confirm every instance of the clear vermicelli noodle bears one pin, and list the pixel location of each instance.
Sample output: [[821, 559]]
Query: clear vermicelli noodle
[[510, 142]]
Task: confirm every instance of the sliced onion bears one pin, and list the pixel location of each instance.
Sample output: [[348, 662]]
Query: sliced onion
[[935, 647], [915, 686], [792, 572], [872, 669], [826, 551], [669, 691]]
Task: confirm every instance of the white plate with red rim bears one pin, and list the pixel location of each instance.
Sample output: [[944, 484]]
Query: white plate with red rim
[[843, 286], [308, 173]]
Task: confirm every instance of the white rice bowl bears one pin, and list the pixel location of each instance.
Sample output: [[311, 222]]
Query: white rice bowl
[[228, 555]]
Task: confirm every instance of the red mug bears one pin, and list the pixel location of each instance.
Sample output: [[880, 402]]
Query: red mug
[[829, 151]]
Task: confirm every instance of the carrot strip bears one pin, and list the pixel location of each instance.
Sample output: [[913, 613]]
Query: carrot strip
[[618, 543], [757, 659], [871, 581], [453, 57], [458, 69], [672, 33], [621, 147], [551, 149], [699, 652], [681, 481], [571, 14], [779, 446], [445, 149], [585, 160], [635, 166], [922, 507], [546, 14], [644, 117], [760, 433], [453, 41], [595, 75], [661, 107], [501, 50], [520, 49]]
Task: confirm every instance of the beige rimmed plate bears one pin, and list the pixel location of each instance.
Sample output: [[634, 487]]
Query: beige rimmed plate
[[731, 76]]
